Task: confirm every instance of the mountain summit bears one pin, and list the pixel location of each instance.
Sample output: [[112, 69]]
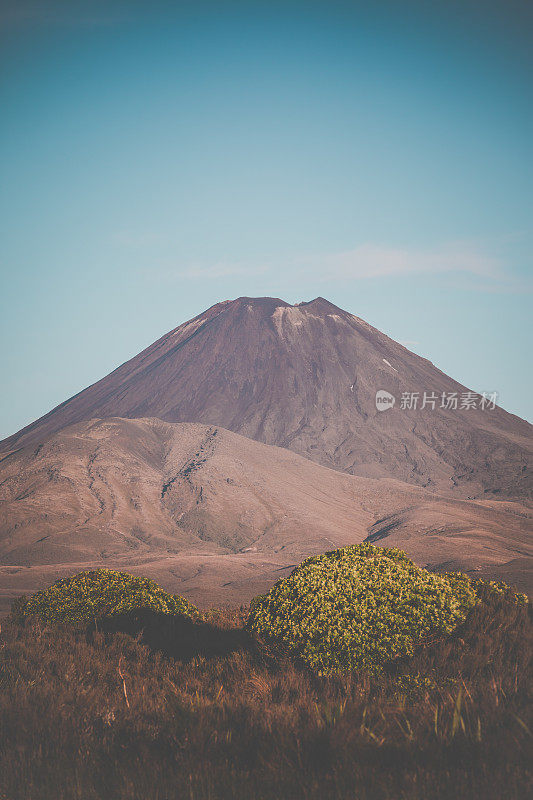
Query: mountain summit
[[305, 377]]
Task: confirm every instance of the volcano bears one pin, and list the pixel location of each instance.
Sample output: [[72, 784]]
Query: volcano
[[251, 437], [305, 377]]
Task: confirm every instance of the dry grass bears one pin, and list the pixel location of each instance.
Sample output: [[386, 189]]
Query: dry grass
[[201, 710]]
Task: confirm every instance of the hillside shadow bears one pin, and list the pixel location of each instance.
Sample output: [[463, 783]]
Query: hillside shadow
[[179, 637]]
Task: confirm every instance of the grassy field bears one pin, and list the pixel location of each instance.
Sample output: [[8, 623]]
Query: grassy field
[[162, 708]]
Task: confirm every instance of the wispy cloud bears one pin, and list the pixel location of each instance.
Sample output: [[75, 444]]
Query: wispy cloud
[[374, 261], [463, 262], [202, 271]]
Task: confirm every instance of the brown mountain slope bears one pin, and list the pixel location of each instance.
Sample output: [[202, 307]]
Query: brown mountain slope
[[305, 377], [216, 516]]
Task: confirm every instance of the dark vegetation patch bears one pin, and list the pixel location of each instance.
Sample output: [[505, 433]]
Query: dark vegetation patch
[[152, 706]]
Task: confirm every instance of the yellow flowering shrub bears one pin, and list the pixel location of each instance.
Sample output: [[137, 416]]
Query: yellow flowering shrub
[[359, 607], [99, 593], [499, 588]]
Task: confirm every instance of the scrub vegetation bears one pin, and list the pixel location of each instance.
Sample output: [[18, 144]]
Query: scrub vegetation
[[148, 704], [359, 607], [97, 594]]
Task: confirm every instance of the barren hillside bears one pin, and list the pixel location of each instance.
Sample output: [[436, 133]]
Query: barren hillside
[[219, 517]]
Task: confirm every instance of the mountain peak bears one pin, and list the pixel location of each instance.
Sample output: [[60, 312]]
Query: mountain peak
[[305, 377], [318, 304], [321, 304]]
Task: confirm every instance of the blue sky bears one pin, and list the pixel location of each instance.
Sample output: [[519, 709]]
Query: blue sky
[[157, 158]]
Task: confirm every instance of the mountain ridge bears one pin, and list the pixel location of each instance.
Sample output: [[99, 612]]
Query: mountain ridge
[[219, 517], [304, 376]]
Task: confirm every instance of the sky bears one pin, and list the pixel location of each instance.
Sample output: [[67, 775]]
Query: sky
[[156, 158]]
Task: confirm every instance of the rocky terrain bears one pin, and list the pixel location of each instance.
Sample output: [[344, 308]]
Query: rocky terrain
[[219, 517]]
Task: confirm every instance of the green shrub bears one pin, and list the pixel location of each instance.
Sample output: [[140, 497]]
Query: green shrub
[[359, 607], [96, 594], [486, 589]]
